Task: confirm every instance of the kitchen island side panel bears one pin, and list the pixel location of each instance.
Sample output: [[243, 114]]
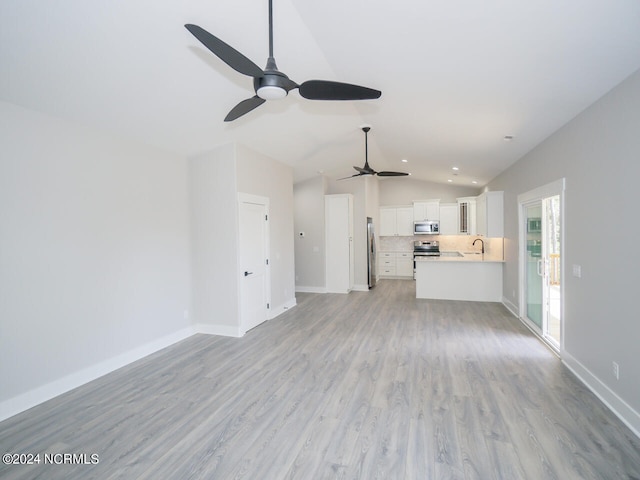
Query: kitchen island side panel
[[471, 281]]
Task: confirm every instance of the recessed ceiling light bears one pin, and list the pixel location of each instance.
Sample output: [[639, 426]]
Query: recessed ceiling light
[[508, 138], [455, 169], [449, 180], [474, 181], [404, 160]]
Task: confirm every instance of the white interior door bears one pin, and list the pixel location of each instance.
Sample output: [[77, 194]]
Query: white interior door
[[254, 269]]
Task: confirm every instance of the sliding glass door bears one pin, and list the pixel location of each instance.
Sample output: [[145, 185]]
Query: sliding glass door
[[551, 268], [533, 263], [541, 261]]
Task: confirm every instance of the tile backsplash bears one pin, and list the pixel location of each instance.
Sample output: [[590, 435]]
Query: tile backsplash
[[395, 244], [493, 247]]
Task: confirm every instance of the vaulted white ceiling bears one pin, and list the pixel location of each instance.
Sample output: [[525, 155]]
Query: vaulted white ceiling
[[456, 76]]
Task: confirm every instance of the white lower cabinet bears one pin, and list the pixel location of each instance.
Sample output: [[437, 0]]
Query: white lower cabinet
[[395, 264], [404, 264], [387, 264]]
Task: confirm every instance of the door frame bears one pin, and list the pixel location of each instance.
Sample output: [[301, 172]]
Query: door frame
[[264, 201], [551, 189]]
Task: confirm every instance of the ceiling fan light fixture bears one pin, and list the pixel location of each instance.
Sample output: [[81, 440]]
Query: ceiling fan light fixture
[[271, 92]]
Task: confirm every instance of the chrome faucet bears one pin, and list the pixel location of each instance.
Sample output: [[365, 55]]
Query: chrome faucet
[[481, 241]]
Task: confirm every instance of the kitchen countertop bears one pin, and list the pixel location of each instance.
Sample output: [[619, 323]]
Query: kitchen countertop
[[465, 257]]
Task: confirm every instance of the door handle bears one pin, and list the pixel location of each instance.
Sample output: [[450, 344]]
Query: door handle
[[540, 268], [246, 274]]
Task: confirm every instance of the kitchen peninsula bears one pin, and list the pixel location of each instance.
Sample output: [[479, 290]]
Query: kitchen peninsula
[[460, 276]]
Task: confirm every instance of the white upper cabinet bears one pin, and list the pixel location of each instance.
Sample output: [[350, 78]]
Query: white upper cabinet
[[490, 214], [448, 218], [396, 221], [467, 215], [404, 222], [481, 215], [426, 210], [388, 222]]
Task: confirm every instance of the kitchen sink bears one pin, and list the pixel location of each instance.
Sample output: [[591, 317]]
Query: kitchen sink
[[472, 253], [451, 254]]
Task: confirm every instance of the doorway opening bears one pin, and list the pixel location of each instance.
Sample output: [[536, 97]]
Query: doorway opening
[[541, 262]]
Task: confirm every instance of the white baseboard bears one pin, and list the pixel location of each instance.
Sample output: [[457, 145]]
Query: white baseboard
[[303, 289], [617, 405], [511, 307], [612, 401], [280, 309], [24, 401], [221, 330]]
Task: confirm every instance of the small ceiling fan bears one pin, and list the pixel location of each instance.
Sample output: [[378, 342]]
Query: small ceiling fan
[[367, 170], [270, 83]]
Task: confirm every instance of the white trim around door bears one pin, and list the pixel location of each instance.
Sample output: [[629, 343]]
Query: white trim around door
[[525, 201]]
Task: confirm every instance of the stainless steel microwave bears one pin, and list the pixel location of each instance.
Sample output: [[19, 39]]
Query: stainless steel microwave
[[426, 227]]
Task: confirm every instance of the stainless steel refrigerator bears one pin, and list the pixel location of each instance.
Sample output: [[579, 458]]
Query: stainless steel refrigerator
[[371, 252]]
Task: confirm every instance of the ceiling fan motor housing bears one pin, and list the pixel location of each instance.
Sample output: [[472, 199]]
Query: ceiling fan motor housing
[[272, 82]]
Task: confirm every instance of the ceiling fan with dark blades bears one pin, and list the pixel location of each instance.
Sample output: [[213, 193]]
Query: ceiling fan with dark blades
[[367, 170], [270, 83]]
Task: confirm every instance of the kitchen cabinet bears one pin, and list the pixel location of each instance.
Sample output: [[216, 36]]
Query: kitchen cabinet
[[395, 264], [396, 221], [426, 210], [404, 223], [470, 281], [404, 264], [387, 264], [490, 214], [448, 218], [467, 215], [339, 256]]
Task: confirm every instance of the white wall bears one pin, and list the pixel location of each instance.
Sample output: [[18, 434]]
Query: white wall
[[264, 176], [214, 218], [216, 178], [94, 254], [598, 154], [308, 200], [309, 217], [406, 190], [372, 197]]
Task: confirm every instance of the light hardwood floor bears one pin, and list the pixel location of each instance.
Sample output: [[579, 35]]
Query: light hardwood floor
[[370, 385]]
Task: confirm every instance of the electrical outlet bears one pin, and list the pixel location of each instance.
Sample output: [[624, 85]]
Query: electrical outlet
[[577, 271], [616, 370]]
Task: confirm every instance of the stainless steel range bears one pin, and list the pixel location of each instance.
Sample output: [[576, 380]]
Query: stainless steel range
[[424, 249]]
